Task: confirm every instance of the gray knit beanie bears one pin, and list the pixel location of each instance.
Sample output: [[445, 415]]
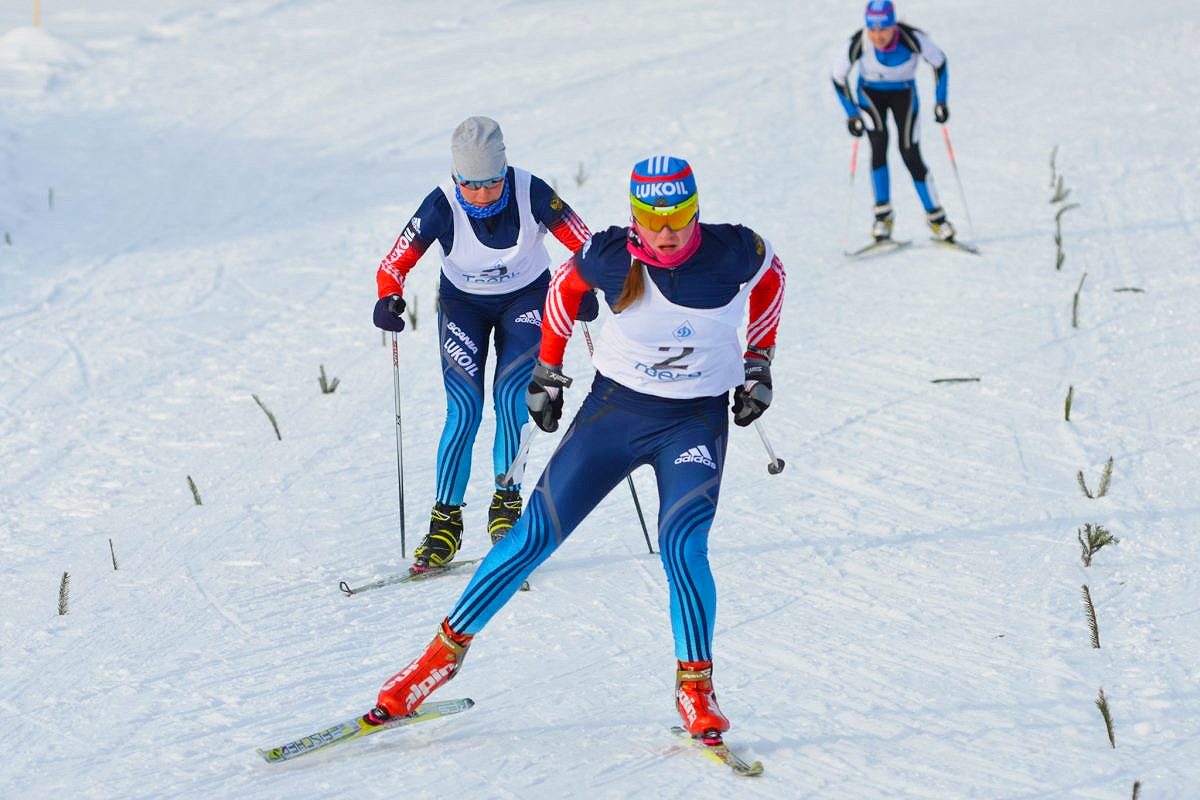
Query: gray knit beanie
[[477, 149]]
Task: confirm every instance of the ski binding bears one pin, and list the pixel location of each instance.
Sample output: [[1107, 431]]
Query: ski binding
[[716, 749]]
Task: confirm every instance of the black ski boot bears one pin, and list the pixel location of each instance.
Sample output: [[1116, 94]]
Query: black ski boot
[[503, 513], [441, 544]]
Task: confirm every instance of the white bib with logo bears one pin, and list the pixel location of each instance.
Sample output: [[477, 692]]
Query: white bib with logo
[[478, 269], [657, 347]]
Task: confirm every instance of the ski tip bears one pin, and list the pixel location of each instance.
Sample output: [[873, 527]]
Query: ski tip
[[270, 756], [878, 247], [955, 244]]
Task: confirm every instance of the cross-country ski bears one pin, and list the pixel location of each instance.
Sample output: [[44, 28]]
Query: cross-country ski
[[359, 727], [881, 247], [407, 577]]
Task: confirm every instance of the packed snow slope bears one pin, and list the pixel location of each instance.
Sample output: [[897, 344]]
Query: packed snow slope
[[194, 197]]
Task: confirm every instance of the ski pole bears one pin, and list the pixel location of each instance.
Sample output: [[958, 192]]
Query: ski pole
[[516, 472], [776, 464], [587, 337], [850, 192], [399, 437], [958, 179]]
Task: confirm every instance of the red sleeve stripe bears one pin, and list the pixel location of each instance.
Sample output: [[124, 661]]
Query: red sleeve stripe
[[571, 231], [394, 268], [567, 288], [766, 303], [556, 315]]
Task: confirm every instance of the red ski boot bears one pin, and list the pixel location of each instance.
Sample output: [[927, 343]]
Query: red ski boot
[[408, 688], [697, 703]]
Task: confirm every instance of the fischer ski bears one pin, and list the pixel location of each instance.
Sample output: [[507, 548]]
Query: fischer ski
[[716, 749], [407, 577], [954, 244], [359, 727], [879, 247]]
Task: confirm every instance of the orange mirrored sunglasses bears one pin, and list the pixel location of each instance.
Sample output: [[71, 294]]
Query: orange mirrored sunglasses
[[654, 218]]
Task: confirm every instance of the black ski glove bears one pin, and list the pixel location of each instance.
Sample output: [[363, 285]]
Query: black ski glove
[[941, 112], [589, 307], [855, 126], [753, 397], [389, 313], [543, 398]]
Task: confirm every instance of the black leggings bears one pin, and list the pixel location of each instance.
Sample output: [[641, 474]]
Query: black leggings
[[903, 104]]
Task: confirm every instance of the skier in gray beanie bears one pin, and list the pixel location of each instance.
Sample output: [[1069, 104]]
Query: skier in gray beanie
[[477, 150], [489, 221]]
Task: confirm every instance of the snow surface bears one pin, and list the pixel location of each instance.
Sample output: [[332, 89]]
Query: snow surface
[[197, 195]]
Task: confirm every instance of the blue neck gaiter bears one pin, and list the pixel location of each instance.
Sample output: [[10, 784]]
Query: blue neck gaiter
[[483, 212]]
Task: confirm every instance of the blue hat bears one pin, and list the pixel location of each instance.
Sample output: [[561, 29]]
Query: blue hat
[[880, 14], [662, 182]]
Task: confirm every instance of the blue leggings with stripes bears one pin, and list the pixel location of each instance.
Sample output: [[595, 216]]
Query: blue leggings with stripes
[[465, 324], [615, 431]]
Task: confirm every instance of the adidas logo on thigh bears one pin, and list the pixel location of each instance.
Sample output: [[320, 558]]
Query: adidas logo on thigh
[[697, 455]]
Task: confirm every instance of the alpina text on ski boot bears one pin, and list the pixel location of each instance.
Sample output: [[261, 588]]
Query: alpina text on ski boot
[[696, 701], [402, 693]]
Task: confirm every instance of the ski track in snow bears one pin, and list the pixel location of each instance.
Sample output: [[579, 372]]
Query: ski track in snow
[[900, 609]]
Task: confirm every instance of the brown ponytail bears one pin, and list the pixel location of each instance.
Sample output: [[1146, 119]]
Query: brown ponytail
[[633, 289]]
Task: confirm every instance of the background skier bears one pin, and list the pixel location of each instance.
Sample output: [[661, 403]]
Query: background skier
[[886, 53], [489, 220]]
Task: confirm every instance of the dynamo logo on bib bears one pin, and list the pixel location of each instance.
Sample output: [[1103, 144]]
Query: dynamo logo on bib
[[684, 331]]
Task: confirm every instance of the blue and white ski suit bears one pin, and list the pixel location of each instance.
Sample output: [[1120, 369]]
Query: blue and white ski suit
[[887, 81]]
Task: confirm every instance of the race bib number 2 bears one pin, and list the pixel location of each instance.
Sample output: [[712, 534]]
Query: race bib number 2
[[672, 367]]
